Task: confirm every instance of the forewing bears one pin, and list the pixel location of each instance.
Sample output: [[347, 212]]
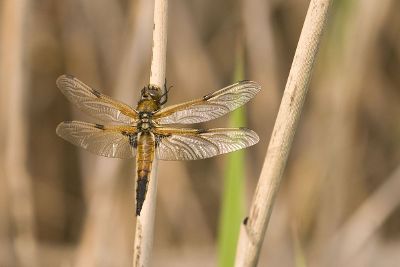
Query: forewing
[[210, 106], [191, 144], [94, 103], [111, 141]]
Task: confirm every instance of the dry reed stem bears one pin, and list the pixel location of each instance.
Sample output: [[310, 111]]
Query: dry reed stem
[[14, 91], [145, 222], [345, 91], [345, 81], [253, 231]]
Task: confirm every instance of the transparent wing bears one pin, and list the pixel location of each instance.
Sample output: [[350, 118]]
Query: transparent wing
[[210, 106], [107, 141], [191, 144], [94, 103]]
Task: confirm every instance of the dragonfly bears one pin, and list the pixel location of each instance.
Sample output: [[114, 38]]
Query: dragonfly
[[149, 131]]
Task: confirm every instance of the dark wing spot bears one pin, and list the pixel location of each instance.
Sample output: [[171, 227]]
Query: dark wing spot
[[245, 220], [99, 126], [133, 140], [206, 97], [96, 93], [159, 137]]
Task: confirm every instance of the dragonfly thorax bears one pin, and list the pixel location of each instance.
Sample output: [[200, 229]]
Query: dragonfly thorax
[[145, 122], [148, 106]]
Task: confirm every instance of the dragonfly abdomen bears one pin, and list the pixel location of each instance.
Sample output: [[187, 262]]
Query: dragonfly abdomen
[[144, 161]]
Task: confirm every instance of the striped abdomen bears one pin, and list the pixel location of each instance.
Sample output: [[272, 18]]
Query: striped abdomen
[[144, 160]]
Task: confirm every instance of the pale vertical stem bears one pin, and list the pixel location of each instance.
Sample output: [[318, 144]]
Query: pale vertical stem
[[253, 231], [145, 222], [13, 86], [158, 62]]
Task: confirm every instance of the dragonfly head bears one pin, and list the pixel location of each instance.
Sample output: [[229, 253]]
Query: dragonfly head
[[151, 92]]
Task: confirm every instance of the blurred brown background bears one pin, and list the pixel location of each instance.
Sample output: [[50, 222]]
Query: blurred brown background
[[62, 206]]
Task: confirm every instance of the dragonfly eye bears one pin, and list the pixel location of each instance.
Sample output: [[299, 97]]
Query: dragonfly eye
[[144, 93], [152, 92]]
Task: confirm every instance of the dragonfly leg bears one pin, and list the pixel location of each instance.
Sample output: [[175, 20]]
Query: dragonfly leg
[[165, 95]]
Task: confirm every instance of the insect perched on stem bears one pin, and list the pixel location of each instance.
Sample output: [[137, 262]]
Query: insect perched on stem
[[141, 132]]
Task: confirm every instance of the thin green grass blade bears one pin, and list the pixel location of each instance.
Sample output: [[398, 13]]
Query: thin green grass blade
[[233, 193], [299, 255]]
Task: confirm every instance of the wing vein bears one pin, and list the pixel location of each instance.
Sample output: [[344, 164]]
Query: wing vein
[[209, 107]]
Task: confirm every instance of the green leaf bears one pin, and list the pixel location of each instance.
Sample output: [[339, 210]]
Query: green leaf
[[234, 188]]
